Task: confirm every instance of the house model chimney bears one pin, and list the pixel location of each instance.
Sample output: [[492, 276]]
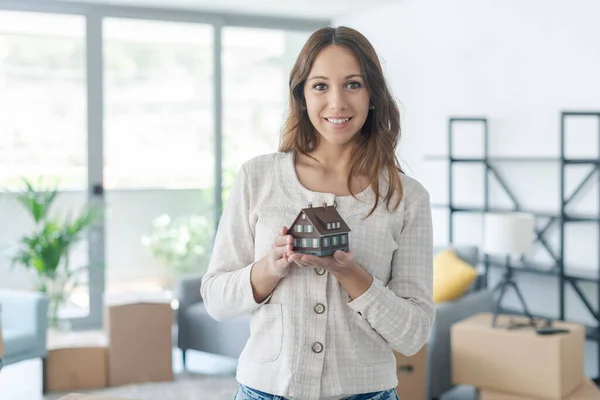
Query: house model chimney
[[324, 203], [310, 204]]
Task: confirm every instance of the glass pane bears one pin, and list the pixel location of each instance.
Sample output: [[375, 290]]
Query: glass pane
[[159, 152], [43, 99], [43, 138], [256, 67]]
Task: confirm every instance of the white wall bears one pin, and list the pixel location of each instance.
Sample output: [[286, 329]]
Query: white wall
[[518, 63]]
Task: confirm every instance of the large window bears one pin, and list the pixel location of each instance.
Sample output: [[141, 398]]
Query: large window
[[139, 95], [43, 133], [159, 140], [256, 68]]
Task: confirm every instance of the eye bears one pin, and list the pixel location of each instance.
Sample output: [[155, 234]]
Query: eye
[[319, 86], [354, 85]]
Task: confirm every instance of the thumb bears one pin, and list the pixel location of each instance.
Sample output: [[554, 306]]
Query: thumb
[[340, 256]]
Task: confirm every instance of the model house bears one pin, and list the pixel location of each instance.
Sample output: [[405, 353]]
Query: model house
[[319, 231]]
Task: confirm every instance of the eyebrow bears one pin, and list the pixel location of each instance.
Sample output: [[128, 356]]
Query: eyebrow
[[326, 78]]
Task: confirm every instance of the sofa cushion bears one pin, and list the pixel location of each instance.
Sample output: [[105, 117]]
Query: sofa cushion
[[452, 276], [16, 342]]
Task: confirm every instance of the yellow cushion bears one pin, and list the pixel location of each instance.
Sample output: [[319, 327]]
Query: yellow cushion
[[451, 276]]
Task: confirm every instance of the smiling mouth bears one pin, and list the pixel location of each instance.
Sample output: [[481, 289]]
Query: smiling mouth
[[338, 120]]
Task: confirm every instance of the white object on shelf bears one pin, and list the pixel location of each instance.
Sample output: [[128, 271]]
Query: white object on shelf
[[507, 233]]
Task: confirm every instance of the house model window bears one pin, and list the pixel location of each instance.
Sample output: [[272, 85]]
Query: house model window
[[320, 231]]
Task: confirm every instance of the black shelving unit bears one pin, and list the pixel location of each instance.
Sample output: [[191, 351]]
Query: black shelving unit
[[561, 217]]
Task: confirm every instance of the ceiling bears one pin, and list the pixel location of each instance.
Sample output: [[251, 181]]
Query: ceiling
[[314, 9]]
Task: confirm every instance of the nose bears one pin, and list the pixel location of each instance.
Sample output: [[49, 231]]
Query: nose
[[337, 99]]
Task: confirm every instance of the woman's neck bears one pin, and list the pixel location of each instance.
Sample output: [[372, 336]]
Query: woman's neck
[[332, 159]]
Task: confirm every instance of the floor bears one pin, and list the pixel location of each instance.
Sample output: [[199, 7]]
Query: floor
[[23, 381]]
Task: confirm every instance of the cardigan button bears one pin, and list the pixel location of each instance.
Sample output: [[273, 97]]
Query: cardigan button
[[320, 271], [319, 308], [317, 347]]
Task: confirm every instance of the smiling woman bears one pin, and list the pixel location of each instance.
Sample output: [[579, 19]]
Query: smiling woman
[[338, 149]]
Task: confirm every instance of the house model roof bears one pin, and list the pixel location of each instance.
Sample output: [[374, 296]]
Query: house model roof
[[320, 216]]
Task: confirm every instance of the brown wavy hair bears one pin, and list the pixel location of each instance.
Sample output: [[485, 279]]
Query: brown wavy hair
[[374, 151]]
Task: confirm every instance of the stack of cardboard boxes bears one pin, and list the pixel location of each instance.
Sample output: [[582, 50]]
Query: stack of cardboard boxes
[[135, 346], [513, 361]]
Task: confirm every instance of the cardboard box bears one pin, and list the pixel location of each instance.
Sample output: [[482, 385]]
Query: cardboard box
[[587, 391], [139, 341], [75, 396], [517, 361], [76, 360], [412, 375]]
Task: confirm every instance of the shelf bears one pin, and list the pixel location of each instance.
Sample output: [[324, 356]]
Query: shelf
[[491, 159], [545, 214], [581, 218], [541, 159], [581, 113], [593, 161], [577, 274], [530, 268], [560, 217], [582, 274]]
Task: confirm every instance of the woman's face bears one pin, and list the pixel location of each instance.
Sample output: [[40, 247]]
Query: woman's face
[[337, 101]]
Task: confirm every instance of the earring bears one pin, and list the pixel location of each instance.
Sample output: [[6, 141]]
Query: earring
[[372, 107]]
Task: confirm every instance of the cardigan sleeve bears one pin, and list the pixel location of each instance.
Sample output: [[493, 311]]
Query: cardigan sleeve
[[226, 288], [403, 311]]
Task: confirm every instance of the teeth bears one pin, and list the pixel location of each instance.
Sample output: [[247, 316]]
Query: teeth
[[338, 121]]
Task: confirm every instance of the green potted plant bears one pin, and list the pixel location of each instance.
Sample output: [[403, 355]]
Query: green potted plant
[[46, 249], [180, 244]]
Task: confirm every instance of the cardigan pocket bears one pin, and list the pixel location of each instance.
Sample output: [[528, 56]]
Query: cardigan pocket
[[369, 346], [266, 333]]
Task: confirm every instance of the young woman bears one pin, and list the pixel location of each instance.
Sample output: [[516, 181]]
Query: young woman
[[324, 327]]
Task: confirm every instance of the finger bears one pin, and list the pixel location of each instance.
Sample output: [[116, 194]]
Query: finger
[[293, 256], [280, 251], [283, 240], [310, 259], [340, 257], [283, 230]]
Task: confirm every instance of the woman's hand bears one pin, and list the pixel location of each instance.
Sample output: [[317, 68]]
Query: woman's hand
[[338, 263], [355, 279], [269, 270], [279, 258]]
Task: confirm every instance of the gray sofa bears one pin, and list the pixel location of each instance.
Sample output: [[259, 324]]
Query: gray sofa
[[24, 322], [198, 331]]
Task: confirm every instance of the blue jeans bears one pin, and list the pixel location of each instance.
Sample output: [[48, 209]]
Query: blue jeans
[[246, 393]]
